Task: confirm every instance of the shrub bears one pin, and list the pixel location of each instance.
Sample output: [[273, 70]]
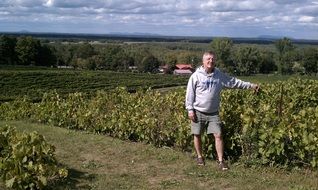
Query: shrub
[[27, 160]]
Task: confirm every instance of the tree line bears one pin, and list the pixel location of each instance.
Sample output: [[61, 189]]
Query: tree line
[[242, 59]]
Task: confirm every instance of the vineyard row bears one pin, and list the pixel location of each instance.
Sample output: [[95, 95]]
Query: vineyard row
[[279, 125]]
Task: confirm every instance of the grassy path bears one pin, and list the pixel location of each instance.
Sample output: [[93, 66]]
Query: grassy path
[[101, 162]]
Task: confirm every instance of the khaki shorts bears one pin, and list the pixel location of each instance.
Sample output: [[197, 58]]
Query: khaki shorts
[[206, 121]]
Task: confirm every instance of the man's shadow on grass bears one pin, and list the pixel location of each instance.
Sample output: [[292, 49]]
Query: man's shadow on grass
[[75, 180]]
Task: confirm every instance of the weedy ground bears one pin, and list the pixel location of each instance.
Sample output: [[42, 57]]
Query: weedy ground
[[100, 162]]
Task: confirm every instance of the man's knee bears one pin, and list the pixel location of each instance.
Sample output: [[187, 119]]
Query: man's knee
[[197, 136], [218, 136]]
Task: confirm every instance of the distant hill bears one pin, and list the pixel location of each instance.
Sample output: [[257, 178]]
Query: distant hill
[[133, 34], [272, 37], [24, 31], [148, 37]]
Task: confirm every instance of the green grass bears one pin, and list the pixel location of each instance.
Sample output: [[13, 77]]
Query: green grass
[[16, 82], [100, 162], [271, 78], [32, 82]]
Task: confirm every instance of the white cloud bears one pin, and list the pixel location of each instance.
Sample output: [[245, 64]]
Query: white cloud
[[49, 3], [286, 2], [4, 13], [28, 3], [169, 17], [286, 18], [233, 5], [306, 19], [188, 21], [308, 10], [270, 18]]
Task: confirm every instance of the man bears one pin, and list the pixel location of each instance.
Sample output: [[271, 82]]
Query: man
[[203, 101]]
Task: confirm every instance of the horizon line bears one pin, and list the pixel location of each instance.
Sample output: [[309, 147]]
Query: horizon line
[[265, 36]]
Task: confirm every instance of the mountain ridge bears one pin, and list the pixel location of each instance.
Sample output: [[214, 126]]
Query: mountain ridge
[[146, 37]]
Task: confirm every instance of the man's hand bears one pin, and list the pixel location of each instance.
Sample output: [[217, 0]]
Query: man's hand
[[255, 87], [192, 116]]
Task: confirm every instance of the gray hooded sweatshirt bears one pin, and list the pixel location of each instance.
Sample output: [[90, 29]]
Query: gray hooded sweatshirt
[[203, 90]]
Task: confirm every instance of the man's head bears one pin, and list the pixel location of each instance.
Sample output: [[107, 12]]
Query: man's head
[[208, 61]]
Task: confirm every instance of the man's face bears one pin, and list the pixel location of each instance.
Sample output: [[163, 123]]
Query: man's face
[[208, 62]]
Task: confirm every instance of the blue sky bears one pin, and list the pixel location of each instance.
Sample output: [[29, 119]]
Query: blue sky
[[230, 18]]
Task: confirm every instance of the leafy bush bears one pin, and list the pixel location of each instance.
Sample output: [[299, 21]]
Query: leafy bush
[[276, 126], [26, 160]]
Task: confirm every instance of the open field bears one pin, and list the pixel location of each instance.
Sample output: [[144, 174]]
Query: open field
[[271, 78], [101, 162], [33, 82], [130, 138], [16, 82]]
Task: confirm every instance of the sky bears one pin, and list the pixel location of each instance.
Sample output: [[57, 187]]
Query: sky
[[216, 18]]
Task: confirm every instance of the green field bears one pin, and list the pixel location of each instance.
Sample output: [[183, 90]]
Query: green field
[[101, 163], [16, 82], [271, 78]]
